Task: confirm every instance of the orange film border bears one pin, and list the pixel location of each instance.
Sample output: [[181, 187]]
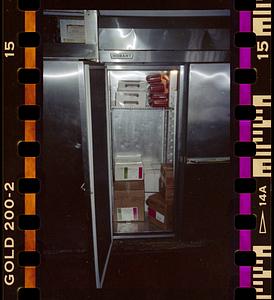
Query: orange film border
[[30, 162]]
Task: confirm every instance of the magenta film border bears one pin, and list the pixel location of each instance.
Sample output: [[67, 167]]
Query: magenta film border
[[245, 18]]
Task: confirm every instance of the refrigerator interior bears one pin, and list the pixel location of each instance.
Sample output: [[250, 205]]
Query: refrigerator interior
[[142, 140]]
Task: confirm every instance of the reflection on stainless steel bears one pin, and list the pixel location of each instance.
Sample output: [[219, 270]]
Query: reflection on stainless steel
[[209, 111], [163, 39], [165, 56], [70, 51], [61, 85], [61, 75]]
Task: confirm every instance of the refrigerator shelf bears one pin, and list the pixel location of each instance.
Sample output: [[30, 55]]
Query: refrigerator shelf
[[142, 108]]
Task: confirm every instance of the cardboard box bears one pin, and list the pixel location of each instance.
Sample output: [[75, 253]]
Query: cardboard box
[[159, 214], [131, 99], [128, 167], [167, 175], [167, 193], [151, 176], [129, 206], [129, 185], [130, 171]]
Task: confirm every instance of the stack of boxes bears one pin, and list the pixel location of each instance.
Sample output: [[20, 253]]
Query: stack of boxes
[[160, 205], [131, 94], [158, 90], [129, 193]]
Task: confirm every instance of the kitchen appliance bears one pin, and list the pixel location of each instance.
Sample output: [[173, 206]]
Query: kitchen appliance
[[186, 125]]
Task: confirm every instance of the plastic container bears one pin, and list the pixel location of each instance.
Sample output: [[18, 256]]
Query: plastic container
[[132, 85], [131, 99], [128, 167]]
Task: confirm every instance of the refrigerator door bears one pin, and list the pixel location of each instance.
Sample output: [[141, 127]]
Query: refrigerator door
[[65, 197], [74, 115], [208, 133], [94, 114]]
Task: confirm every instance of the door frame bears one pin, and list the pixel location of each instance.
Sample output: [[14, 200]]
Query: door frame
[[85, 95]]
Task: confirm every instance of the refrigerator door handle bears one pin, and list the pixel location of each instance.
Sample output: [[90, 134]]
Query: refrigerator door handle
[[207, 160]]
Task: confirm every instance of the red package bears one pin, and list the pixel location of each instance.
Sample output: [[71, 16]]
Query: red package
[[158, 102], [159, 96], [154, 78], [158, 88]]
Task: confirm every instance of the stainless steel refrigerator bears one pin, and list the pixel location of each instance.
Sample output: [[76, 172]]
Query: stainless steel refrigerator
[[80, 95]]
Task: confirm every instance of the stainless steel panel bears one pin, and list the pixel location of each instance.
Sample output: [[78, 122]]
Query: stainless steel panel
[[208, 133], [138, 131], [164, 56], [61, 84], [166, 13], [163, 39], [70, 51], [55, 12], [78, 42]]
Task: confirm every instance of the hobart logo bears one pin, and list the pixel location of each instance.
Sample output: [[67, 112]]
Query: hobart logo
[[121, 55]]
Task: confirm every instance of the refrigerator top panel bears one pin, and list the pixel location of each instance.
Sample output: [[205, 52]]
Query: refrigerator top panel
[[163, 39]]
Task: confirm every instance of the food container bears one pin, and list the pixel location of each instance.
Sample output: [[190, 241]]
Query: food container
[[151, 175], [167, 193], [131, 99], [128, 167], [154, 78], [129, 206], [159, 100], [159, 214], [132, 85], [159, 103], [157, 88], [158, 96]]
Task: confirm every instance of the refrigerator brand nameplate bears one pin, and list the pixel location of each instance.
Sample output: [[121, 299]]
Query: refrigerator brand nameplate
[[122, 55]]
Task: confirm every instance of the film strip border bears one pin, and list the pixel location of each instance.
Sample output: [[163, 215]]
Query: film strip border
[[29, 148], [249, 149], [254, 152]]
